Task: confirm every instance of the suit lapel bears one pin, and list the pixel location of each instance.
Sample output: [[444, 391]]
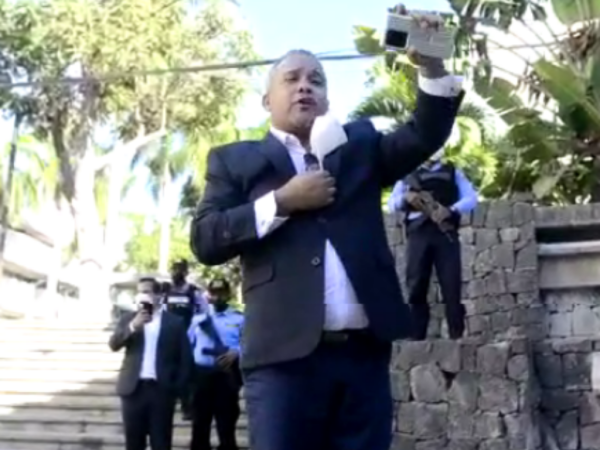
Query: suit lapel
[[162, 333], [332, 161], [277, 154]]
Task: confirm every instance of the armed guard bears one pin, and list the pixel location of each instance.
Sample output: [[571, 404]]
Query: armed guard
[[183, 299], [215, 338], [433, 199]]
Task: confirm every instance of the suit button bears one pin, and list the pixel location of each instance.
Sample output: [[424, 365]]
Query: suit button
[[316, 261], [226, 234]]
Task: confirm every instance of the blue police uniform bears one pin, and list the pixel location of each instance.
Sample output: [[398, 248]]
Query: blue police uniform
[[216, 390]]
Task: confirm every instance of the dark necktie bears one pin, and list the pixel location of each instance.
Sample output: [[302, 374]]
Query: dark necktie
[[311, 163]]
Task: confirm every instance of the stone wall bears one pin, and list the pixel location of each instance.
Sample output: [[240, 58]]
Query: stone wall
[[500, 281], [527, 374], [465, 395]]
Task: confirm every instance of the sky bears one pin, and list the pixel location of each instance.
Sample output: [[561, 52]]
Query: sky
[[318, 26]]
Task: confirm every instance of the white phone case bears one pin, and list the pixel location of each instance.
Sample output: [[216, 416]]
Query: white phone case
[[437, 44]]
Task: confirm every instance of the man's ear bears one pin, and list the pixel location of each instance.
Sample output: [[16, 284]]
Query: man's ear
[[265, 102]]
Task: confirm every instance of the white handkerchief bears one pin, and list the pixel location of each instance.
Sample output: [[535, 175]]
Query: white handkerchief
[[326, 135]]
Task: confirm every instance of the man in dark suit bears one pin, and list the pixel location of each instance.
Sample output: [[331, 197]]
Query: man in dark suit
[[155, 370], [322, 298]]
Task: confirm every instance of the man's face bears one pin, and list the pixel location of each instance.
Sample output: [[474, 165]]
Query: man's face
[[146, 289], [179, 273], [297, 94]]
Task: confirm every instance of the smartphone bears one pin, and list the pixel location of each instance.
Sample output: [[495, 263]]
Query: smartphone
[[402, 32], [148, 307]]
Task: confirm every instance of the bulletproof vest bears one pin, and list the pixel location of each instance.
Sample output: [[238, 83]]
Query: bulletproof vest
[[440, 183], [181, 303]]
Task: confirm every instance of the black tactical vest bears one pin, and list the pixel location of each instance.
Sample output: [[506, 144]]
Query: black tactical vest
[[440, 183]]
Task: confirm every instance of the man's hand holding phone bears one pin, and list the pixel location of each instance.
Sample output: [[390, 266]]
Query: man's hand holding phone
[[142, 317]]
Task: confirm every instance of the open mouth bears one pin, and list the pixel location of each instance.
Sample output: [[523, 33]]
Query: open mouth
[[306, 102]]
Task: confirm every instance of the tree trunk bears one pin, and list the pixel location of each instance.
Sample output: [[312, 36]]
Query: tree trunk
[[165, 220], [7, 191], [93, 287]]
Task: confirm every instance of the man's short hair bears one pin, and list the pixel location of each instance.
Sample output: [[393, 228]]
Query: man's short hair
[[217, 285], [156, 286], [280, 60], [182, 264]]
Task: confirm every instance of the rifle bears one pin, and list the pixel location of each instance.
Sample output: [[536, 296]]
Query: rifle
[[428, 205]]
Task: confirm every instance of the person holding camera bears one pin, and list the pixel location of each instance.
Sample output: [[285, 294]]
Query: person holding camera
[[215, 338], [155, 369]]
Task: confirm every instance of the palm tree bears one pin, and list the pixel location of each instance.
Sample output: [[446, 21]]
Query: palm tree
[[166, 163]]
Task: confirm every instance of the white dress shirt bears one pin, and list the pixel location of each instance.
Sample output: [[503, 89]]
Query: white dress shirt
[[342, 309], [151, 333]]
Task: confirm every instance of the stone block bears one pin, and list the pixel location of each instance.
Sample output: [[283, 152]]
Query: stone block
[[486, 238], [504, 256], [400, 385], [498, 395], [499, 215], [518, 368], [590, 437], [527, 257], [406, 416], [427, 383], [432, 421], [589, 410], [447, 354], [411, 353], [434, 444], [493, 358], [464, 391], [494, 444], [496, 283], [489, 425], [522, 213], [522, 280], [402, 442], [509, 234], [478, 215]]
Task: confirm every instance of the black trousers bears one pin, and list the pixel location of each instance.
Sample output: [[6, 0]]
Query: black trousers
[[148, 412], [216, 396], [429, 247]]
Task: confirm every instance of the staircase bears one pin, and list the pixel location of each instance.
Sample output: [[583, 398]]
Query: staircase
[[57, 389]]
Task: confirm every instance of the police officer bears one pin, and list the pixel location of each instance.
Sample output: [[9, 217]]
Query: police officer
[[432, 238], [215, 338]]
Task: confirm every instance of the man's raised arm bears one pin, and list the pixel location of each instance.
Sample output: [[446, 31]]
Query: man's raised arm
[[438, 101]]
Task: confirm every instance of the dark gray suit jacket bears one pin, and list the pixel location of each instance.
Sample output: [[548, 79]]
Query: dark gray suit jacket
[[173, 359], [283, 273]]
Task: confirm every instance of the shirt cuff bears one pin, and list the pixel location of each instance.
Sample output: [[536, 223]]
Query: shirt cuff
[[265, 214], [448, 86]]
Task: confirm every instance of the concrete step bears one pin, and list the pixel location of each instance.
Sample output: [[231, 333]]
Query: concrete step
[[49, 365], [72, 401], [58, 421], [55, 347], [16, 372], [56, 387], [47, 353], [47, 440], [55, 337]]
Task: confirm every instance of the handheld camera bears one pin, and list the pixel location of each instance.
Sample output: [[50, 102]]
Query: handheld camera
[[402, 32]]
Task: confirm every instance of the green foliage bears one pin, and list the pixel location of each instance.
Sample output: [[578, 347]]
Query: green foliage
[[50, 39], [142, 250], [394, 97]]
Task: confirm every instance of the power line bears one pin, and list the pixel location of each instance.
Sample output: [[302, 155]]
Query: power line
[[110, 77]]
